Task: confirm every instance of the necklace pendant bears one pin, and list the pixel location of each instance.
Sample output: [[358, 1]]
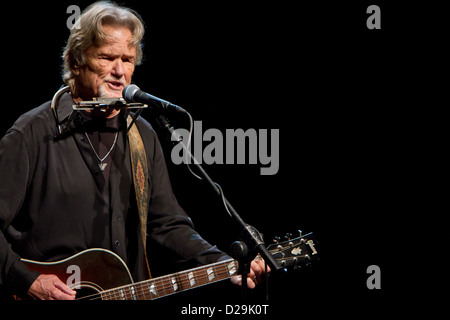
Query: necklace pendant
[[102, 166]]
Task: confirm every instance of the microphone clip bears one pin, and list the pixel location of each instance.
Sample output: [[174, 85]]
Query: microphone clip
[[107, 103]]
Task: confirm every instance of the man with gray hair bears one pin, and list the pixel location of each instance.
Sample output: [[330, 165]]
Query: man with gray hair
[[60, 196]]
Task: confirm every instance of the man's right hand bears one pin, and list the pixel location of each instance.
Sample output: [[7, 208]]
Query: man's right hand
[[50, 287]]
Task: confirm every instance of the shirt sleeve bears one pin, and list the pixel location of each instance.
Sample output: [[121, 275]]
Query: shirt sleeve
[[168, 223], [15, 277]]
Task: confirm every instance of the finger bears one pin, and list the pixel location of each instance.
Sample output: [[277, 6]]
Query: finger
[[256, 271], [64, 288], [251, 282], [57, 294], [63, 292], [262, 265], [237, 280]]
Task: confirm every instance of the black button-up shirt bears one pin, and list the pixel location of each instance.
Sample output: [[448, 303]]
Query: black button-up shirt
[[55, 201]]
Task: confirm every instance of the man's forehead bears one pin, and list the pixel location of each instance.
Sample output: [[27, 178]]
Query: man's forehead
[[117, 33], [117, 36], [111, 46]]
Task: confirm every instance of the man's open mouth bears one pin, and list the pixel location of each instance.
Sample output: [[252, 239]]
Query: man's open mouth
[[115, 85]]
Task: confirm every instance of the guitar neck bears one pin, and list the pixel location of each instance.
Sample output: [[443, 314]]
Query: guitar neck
[[173, 283]]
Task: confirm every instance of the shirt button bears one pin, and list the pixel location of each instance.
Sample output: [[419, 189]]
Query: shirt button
[[117, 243]]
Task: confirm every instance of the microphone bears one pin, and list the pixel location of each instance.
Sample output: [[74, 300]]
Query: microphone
[[132, 93]]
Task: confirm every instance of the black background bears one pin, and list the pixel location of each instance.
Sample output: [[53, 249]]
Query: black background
[[333, 88]]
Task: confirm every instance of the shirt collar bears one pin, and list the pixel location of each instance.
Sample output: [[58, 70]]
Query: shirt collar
[[64, 107]]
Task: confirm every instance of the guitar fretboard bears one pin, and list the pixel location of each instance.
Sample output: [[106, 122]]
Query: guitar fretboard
[[173, 283]]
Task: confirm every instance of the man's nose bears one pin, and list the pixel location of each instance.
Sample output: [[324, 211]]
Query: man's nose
[[118, 69]]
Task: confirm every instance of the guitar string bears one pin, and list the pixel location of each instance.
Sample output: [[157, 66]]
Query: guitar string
[[143, 291], [165, 285], [89, 297]]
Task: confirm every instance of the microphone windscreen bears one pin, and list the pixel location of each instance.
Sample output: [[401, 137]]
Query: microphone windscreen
[[129, 92]]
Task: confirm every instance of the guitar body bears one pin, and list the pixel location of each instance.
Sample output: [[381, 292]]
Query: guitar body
[[98, 270]]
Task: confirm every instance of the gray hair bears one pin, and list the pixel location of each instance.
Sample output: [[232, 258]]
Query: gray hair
[[88, 31]]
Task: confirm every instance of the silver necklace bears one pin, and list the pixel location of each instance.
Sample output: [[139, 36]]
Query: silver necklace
[[101, 164]]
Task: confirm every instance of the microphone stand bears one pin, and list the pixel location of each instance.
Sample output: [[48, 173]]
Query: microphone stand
[[251, 236]]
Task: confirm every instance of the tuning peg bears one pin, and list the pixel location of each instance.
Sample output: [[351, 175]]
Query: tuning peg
[[288, 236], [300, 233], [276, 239]]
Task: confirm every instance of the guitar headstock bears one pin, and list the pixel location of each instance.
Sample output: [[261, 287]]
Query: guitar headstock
[[294, 252]]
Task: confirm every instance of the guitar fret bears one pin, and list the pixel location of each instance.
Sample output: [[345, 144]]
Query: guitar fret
[[106, 295], [141, 291], [133, 293], [201, 277], [137, 292], [152, 289], [221, 272], [191, 279], [155, 288], [231, 268], [167, 284], [111, 295], [162, 286], [173, 280], [183, 281], [210, 273]]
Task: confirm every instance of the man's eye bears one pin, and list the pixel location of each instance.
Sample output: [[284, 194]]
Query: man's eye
[[107, 58]]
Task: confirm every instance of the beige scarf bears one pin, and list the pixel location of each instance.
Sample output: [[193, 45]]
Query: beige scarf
[[140, 179]]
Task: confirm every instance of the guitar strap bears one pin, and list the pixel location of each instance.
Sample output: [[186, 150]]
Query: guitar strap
[[140, 180]]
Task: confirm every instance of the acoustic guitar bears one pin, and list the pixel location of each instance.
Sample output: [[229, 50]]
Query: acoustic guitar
[[101, 274]]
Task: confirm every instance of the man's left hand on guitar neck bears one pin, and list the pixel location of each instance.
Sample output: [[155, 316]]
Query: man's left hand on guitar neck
[[254, 277]]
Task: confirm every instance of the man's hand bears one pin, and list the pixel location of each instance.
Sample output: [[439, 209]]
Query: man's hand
[[50, 287], [254, 277]]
